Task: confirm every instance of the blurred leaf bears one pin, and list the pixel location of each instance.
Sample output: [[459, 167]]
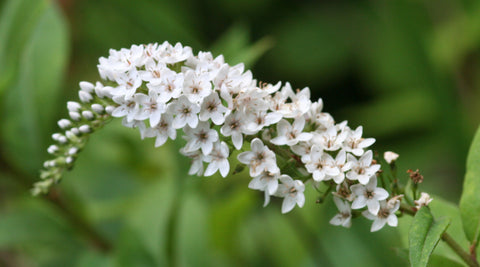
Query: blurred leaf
[[227, 217], [192, 239], [310, 45], [90, 258], [424, 234], [392, 114], [470, 199], [144, 239], [235, 46], [18, 21], [455, 38], [29, 107], [40, 232]]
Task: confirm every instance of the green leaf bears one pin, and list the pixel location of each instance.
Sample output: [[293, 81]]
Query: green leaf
[[424, 234], [17, 23], [470, 199], [441, 261], [234, 46], [30, 104]]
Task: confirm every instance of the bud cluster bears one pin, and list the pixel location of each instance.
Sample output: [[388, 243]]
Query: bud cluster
[[283, 137]]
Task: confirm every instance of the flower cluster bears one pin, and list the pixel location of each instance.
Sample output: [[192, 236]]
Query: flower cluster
[[284, 138]]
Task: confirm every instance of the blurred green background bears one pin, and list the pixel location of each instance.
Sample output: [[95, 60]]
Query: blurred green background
[[408, 71]]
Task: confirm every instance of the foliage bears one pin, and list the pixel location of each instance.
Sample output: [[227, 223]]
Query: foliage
[[405, 70]]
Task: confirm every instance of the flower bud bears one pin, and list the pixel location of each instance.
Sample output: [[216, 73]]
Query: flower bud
[[74, 115], [52, 149], [75, 131], [86, 87], [390, 157], [64, 123], [87, 114], [73, 106], [85, 97], [85, 128], [73, 151], [109, 109], [98, 108]]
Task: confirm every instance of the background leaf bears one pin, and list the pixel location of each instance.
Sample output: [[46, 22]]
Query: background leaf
[[470, 200], [31, 101]]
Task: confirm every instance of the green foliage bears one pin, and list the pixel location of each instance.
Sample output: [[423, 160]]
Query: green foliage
[[35, 65], [470, 201], [424, 234], [405, 70]]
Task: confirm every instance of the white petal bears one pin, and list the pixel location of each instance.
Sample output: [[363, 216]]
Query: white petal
[[224, 167], [245, 157], [359, 202], [300, 199], [380, 193], [337, 220], [211, 169], [288, 204], [377, 224], [392, 220], [373, 206], [237, 139]]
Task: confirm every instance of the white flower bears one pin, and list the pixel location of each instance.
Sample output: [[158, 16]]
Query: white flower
[[362, 169], [368, 195], [266, 181], [321, 164], [163, 130], [200, 137], [424, 200], [233, 126], [291, 134], [213, 109], [344, 217], [390, 156], [354, 142], [258, 120], [128, 108], [303, 149], [185, 113], [292, 192], [168, 86], [385, 215], [260, 159], [331, 140], [342, 166], [218, 160], [151, 109], [196, 87], [197, 161]]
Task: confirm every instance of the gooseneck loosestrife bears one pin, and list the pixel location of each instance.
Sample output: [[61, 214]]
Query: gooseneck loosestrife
[[284, 138]]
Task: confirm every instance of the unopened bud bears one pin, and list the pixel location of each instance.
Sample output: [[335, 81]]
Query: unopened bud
[[109, 109], [73, 106], [64, 123], [84, 96], [87, 114], [390, 157], [84, 128], [52, 149], [74, 115], [98, 108], [87, 87]]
